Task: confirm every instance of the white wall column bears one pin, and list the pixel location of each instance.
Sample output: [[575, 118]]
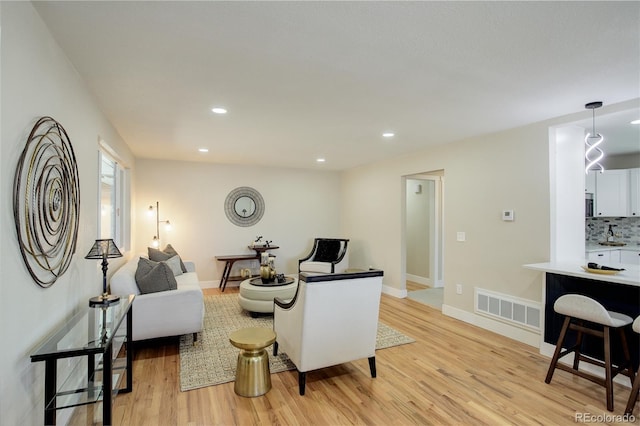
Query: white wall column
[[567, 180]]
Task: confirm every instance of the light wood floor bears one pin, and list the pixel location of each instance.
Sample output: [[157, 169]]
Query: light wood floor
[[412, 286], [455, 374]]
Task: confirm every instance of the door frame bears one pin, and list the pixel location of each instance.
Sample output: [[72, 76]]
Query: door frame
[[436, 250]]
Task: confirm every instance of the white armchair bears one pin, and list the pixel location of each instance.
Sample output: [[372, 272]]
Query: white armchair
[[328, 255], [332, 319]]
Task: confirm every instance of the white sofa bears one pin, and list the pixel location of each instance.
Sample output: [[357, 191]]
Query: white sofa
[[165, 313]]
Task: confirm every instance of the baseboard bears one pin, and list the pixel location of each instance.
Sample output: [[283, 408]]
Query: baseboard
[[210, 284], [420, 280], [516, 333], [395, 292]]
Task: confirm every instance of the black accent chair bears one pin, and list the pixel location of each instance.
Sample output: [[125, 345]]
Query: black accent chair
[[328, 255]]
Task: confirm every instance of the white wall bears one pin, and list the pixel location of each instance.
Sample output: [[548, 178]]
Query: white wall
[[38, 80], [566, 159], [624, 161], [485, 175], [419, 217], [299, 206]]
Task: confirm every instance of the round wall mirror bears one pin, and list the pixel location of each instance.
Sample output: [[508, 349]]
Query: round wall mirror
[[244, 206]]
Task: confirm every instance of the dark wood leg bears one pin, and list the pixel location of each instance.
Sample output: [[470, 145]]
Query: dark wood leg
[[275, 348], [225, 274], [627, 354], [556, 353], [302, 381], [633, 396], [578, 346], [372, 366], [195, 337], [608, 377]]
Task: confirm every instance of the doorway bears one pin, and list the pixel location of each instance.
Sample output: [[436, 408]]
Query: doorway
[[423, 243]]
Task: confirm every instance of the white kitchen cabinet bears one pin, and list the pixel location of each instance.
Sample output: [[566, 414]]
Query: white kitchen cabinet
[[630, 256], [590, 182], [612, 193], [634, 192], [599, 256]]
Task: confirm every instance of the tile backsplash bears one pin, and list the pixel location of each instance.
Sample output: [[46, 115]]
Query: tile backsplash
[[627, 227]]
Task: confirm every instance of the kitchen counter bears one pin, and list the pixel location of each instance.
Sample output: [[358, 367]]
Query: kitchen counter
[[619, 293], [591, 247], [630, 276]]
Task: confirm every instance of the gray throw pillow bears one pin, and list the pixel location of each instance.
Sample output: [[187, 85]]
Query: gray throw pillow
[[152, 277], [172, 252], [160, 255], [174, 264]]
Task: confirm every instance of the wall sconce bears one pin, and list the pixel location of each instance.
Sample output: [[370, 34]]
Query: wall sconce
[[593, 153], [156, 238]]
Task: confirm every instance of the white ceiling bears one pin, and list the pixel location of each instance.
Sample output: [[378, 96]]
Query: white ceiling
[[303, 80]]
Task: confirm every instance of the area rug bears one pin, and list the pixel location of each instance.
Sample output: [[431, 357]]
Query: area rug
[[212, 359]]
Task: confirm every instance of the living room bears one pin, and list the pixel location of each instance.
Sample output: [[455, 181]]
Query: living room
[[485, 174]]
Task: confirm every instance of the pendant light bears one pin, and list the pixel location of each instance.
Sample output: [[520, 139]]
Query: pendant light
[[593, 154]]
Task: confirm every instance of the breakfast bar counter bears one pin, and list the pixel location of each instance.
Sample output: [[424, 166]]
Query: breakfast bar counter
[[630, 275], [618, 292]]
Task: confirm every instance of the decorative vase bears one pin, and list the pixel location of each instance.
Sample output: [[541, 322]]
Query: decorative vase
[[265, 274]]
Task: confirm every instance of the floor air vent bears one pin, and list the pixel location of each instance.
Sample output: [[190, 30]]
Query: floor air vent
[[517, 311]]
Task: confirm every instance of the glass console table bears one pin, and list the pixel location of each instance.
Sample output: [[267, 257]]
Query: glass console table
[[102, 336]]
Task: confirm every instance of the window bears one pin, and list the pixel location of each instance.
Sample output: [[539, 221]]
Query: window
[[114, 201]]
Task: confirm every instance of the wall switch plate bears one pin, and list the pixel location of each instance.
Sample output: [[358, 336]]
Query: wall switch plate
[[461, 236], [507, 215], [458, 288]]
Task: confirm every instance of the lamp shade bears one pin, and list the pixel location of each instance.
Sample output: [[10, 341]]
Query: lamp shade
[[103, 249]]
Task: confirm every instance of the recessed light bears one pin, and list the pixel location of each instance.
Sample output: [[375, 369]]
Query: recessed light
[[388, 134], [203, 149], [219, 110], [636, 121], [320, 160]]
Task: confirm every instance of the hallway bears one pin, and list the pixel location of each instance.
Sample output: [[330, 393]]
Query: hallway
[[425, 294]]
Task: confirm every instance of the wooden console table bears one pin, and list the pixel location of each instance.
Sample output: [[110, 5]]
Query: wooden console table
[[230, 259], [103, 336]]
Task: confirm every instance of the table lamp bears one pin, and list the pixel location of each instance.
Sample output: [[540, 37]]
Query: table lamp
[[104, 249]]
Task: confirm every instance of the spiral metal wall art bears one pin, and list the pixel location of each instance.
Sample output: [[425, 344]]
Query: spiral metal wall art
[[46, 202]]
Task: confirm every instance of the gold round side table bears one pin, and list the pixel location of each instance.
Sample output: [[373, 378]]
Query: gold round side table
[[253, 377]]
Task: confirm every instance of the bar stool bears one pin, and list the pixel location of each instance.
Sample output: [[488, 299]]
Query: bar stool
[[577, 309], [633, 397]]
